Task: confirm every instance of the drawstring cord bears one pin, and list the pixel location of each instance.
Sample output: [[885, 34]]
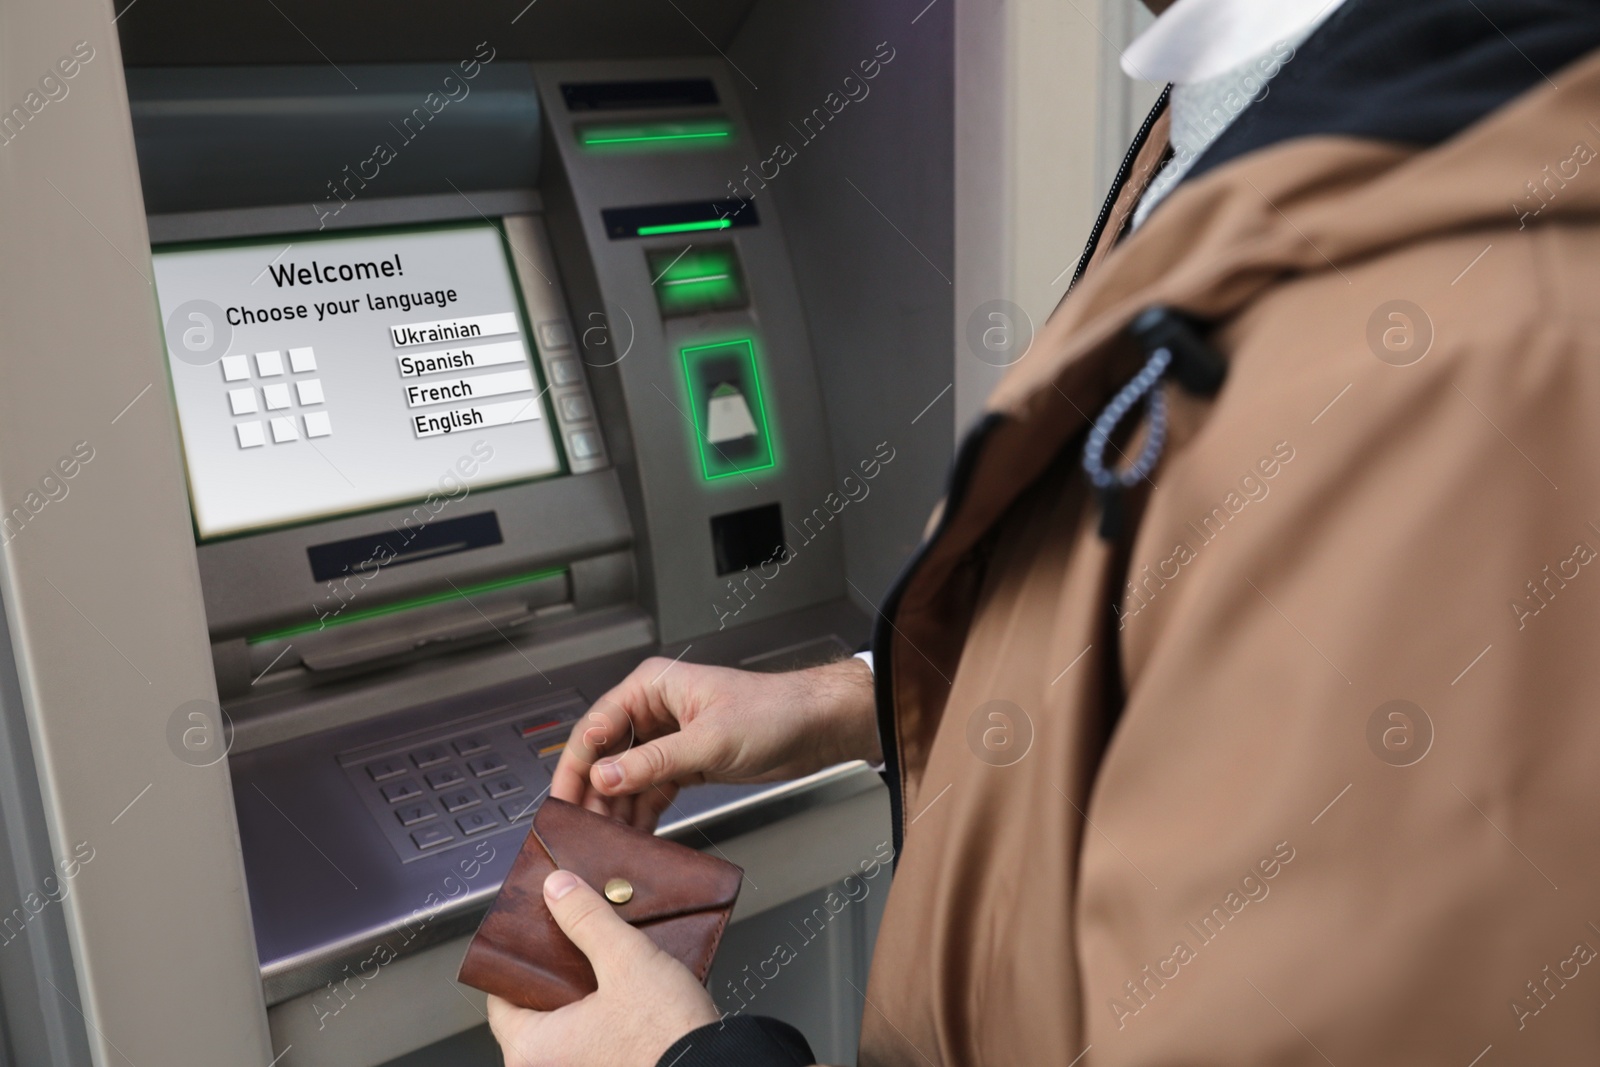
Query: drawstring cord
[[1172, 343]]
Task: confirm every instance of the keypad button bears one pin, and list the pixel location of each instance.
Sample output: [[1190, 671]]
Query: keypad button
[[446, 778], [430, 756], [471, 746], [476, 822], [460, 800], [431, 837], [548, 748], [486, 765], [411, 814], [534, 726], [520, 808], [502, 786], [385, 769], [395, 792]]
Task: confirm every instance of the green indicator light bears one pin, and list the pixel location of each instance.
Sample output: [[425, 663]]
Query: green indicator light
[[730, 415], [406, 605], [696, 279], [703, 133], [685, 227]]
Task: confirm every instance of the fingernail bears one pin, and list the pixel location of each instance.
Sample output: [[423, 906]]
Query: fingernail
[[610, 774], [559, 884]]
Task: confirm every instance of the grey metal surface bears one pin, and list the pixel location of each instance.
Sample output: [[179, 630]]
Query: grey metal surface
[[661, 471], [875, 255], [236, 136], [38, 1023], [268, 718], [263, 582], [377, 211], [101, 591], [176, 32]]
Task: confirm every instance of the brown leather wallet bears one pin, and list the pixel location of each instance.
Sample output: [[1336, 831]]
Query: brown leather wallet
[[680, 898]]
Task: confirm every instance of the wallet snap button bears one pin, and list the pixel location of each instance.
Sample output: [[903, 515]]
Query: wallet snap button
[[619, 891]]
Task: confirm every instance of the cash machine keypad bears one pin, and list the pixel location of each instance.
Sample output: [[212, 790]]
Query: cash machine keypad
[[444, 779], [506, 756], [485, 765]]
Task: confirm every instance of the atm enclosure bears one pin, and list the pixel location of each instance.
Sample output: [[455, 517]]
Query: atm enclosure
[[406, 457]]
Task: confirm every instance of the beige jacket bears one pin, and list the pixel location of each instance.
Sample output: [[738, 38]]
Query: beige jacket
[[1350, 811]]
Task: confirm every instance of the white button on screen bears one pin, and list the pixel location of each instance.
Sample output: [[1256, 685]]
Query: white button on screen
[[277, 396], [242, 401], [310, 390], [283, 429], [302, 360], [317, 424], [235, 368], [269, 364], [250, 435]]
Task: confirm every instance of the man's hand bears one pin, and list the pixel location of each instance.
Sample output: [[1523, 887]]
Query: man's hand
[[646, 1000], [671, 724]]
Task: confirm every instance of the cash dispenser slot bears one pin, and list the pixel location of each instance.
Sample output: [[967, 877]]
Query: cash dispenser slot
[[343, 640]]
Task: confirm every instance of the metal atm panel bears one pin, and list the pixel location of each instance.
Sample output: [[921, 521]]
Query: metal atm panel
[[399, 673]]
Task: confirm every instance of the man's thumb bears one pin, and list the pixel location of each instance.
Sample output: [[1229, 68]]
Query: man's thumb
[[665, 759], [588, 919]]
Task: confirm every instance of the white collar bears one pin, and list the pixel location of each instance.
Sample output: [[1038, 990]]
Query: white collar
[[1194, 40]]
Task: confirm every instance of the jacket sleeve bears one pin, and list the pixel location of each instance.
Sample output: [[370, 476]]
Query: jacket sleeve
[[745, 1041]]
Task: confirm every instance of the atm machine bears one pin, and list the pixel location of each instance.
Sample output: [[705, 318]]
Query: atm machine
[[487, 367], [458, 460]]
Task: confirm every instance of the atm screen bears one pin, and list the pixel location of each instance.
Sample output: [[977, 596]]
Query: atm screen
[[320, 375]]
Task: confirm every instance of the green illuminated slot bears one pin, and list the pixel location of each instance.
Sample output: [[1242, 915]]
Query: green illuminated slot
[[690, 134], [460, 593], [685, 227], [696, 279], [732, 433]]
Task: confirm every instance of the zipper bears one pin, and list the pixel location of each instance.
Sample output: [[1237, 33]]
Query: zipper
[[1116, 187], [956, 484]]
